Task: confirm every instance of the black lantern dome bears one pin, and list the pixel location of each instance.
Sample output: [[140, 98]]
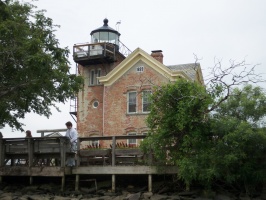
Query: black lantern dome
[[105, 34]]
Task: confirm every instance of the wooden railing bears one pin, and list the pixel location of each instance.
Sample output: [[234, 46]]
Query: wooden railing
[[114, 154], [36, 151], [53, 151], [91, 50], [94, 49]]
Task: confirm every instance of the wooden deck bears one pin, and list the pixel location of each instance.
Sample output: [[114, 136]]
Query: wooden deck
[[45, 156]]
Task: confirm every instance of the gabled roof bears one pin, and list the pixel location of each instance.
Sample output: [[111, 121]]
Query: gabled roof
[[191, 69], [55, 134], [170, 72]]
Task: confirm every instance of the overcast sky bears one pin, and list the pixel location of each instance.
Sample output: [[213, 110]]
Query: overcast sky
[[222, 29]]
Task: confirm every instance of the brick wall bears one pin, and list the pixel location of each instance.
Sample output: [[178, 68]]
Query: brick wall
[[111, 117], [89, 118]]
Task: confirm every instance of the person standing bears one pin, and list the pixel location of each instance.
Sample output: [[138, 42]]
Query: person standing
[[28, 134], [72, 134]]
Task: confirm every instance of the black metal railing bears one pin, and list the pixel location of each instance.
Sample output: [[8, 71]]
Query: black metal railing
[[88, 50]]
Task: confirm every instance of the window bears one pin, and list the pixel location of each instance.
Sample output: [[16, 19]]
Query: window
[[92, 77], [132, 142], [95, 104], [140, 69], [98, 75], [91, 144], [146, 103], [94, 143], [132, 102]]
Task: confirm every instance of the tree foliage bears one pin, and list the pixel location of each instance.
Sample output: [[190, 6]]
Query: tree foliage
[[34, 69], [240, 153], [247, 104], [177, 112], [224, 144]]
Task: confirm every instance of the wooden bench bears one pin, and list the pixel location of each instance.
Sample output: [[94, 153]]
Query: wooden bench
[[95, 156], [128, 156]]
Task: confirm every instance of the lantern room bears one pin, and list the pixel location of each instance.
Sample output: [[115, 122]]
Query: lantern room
[[105, 47], [105, 34]]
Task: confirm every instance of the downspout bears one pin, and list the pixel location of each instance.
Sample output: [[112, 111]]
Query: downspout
[[103, 106]]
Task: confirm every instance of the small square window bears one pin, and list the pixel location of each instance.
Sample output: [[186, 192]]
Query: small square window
[[140, 69]]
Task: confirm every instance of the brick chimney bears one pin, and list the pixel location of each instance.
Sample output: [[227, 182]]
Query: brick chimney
[[158, 55]]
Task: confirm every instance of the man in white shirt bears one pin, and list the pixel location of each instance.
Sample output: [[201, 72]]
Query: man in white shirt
[[72, 134]]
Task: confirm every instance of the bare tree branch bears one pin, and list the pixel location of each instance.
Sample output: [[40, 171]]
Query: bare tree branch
[[238, 73]]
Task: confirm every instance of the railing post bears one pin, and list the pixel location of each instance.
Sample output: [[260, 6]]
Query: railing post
[[77, 182], [63, 151], [74, 51], [30, 152], [113, 150], [78, 152], [114, 51], [89, 53], [113, 182], [150, 183], [2, 152], [104, 49]]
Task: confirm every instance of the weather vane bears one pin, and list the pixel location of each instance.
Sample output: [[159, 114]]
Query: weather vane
[[117, 25]]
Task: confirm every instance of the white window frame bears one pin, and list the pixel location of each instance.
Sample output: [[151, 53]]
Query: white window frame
[[145, 98], [129, 103], [98, 75], [93, 104]]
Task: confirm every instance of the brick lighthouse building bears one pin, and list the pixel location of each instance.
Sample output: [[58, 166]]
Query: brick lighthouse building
[[117, 82]]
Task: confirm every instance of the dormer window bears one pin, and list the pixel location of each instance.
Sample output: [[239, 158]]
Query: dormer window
[[140, 69]]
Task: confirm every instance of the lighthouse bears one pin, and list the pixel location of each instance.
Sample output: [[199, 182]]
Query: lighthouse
[[95, 59]]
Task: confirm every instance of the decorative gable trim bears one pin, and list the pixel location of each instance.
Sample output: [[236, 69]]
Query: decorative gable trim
[[132, 59]]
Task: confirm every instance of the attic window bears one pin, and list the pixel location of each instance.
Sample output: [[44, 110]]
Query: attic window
[[140, 69]]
